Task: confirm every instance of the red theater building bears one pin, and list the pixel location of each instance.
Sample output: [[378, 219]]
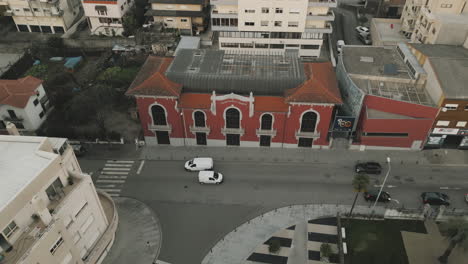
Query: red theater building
[[215, 98], [384, 89]]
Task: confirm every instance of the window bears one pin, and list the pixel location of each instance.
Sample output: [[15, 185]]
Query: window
[[26, 10], [250, 23], [293, 24], [121, 7], [278, 23], [232, 139], [267, 122], [433, 31], [385, 134], [305, 142], [229, 45], [199, 119], [265, 10], [310, 46], [261, 46], [249, 11], [183, 20], [264, 23], [277, 46], [247, 45], [292, 45], [466, 107], [102, 12], [55, 189], [201, 138], [36, 9], [294, 11], [10, 229], [41, 114], [461, 123], [265, 141], [279, 10], [443, 123], [56, 245], [159, 115], [308, 122], [451, 106], [35, 102], [232, 118]]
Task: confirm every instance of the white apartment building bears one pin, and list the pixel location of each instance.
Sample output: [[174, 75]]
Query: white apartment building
[[105, 17], [23, 102], [272, 25], [436, 21], [50, 211], [46, 16]]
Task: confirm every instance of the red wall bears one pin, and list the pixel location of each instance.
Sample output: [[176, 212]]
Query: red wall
[[173, 117], [417, 128]]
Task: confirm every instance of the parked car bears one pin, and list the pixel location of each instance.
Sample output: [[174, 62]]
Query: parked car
[[362, 30], [339, 46], [435, 198], [78, 149], [210, 177], [368, 167], [365, 38], [199, 164], [371, 195]]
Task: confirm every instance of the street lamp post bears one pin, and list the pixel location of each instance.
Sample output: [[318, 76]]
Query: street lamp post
[[383, 184]]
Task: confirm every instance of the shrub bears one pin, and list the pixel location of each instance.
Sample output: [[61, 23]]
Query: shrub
[[38, 71], [274, 246], [326, 250]]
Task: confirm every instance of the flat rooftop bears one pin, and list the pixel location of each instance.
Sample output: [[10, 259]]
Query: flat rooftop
[[376, 114], [387, 34], [21, 161], [7, 60], [204, 71]]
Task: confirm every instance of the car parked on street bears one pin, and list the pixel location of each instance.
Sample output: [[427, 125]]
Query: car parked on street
[[78, 149], [339, 46], [371, 195], [435, 198], [199, 164], [210, 177], [368, 167], [362, 30], [365, 38]]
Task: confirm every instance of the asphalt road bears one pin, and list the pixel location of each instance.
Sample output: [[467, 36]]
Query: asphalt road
[[194, 217]]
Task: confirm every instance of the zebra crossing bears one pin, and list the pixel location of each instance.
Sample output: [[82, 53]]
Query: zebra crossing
[[113, 176]]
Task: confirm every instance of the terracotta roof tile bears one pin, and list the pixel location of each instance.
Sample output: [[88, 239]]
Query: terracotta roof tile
[[195, 101], [16, 93], [270, 104], [151, 80], [320, 87]]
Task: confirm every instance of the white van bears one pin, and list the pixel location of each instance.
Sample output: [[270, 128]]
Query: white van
[[199, 164], [210, 177]]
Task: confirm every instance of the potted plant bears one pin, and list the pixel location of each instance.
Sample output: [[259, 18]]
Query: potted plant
[[274, 246], [325, 252]]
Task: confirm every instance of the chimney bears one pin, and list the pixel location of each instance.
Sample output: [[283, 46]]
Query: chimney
[[12, 130]]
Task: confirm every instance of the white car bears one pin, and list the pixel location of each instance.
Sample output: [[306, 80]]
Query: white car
[[362, 30], [210, 177], [339, 46], [199, 164]]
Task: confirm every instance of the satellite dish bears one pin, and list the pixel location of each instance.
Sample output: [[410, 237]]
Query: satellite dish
[[444, 109]]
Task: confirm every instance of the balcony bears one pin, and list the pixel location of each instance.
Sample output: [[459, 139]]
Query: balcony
[[216, 14], [160, 128], [319, 3], [195, 129], [56, 202], [330, 16], [225, 131], [264, 132], [327, 29], [300, 134]]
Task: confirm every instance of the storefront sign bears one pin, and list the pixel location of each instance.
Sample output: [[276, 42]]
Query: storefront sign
[[463, 132], [343, 123], [445, 131]]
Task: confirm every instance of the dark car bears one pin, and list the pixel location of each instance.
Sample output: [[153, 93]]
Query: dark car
[[79, 149], [371, 195], [435, 198], [368, 167]]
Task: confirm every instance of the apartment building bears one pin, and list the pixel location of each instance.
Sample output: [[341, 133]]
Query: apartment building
[[105, 17], [50, 211], [263, 26], [436, 21], [189, 16], [23, 102], [46, 16]]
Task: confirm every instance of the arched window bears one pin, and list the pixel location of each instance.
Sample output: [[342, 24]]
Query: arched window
[[267, 122], [232, 118], [159, 115], [309, 120], [199, 117]]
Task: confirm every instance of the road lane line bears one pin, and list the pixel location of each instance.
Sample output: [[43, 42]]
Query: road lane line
[[141, 166], [114, 172], [111, 181], [118, 165], [121, 161], [112, 177], [110, 190], [106, 185], [117, 169]]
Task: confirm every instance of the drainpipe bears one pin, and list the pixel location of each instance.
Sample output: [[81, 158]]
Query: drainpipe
[[183, 125]]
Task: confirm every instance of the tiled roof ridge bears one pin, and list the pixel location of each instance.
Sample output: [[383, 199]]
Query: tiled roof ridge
[[7, 85]]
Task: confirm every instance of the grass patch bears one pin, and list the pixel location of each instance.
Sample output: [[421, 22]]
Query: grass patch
[[371, 242]]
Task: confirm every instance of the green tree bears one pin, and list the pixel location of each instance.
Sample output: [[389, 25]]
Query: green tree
[[38, 71], [456, 231], [129, 23], [55, 42], [360, 183], [326, 250]]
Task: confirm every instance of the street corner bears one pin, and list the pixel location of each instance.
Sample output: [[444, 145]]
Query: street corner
[[138, 238]]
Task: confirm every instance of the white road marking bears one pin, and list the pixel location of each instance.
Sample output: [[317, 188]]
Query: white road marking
[[121, 161], [110, 181], [110, 190], [444, 188], [141, 166], [118, 165], [106, 185], [114, 172], [111, 177], [391, 186], [117, 169]]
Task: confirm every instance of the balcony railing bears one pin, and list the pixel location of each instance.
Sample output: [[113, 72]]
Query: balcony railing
[[327, 29], [225, 131], [57, 202], [195, 129], [265, 132], [160, 128], [330, 16]]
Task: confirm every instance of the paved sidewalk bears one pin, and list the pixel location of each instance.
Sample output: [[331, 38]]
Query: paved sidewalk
[[425, 157], [138, 238], [236, 246]]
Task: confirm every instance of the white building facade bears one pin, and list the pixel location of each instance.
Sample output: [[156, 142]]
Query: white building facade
[[50, 211], [45, 16], [105, 17], [264, 26], [23, 102]]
